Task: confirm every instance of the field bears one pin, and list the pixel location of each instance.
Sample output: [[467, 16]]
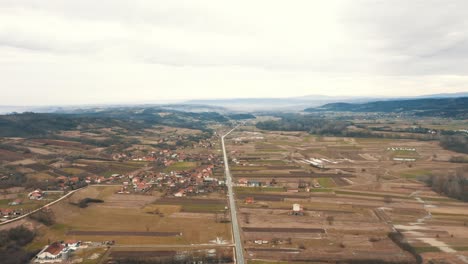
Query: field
[[300, 198], [132, 222], [349, 203]]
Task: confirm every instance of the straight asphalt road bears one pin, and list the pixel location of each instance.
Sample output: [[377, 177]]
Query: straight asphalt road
[[232, 205]]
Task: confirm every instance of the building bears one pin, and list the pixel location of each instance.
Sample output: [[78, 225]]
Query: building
[[51, 253], [180, 193], [56, 252], [249, 200], [35, 195], [16, 202], [254, 183], [297, 209], [242, 182]]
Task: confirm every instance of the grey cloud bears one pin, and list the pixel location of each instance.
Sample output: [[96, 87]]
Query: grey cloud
[[431, 36]]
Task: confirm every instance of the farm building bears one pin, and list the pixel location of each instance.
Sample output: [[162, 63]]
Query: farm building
[[35, 195], [53, 253], [16, 202]]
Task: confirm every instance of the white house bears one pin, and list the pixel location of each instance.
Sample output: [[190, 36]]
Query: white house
[[51, 253], [35, 195]]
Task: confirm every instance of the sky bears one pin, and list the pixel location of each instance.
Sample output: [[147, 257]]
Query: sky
[[62, 52]]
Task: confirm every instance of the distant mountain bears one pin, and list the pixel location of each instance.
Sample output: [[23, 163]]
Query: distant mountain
[[281, 104], [223, 105], [444, 107], [301, 102], [443, 95]]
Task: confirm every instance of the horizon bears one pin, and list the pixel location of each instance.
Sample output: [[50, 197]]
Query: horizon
[[189, 100]]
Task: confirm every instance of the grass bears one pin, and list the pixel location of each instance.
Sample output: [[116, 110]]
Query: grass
[[183, 165], [267, 262], [108, 217], [405, 153], [426, 249], [42, 176], [73, 171], [26, 204], [274, 162], [326, 182], [203, 208], [105, 192], [320, 190], [248, 168], [4, 202], [86, 253], [372, 194], [240, 189], [464, 248]]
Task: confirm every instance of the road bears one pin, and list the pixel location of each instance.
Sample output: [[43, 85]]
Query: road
[[42, 207], [232, 205]]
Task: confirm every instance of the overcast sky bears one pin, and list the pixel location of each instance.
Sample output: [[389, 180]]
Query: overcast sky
[[115, 51]]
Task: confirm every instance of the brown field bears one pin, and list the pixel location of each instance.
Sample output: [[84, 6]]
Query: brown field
[[6, 155], [363, 196], [121, 233], [60, 143], [283, 230], [185, 200], [133, 216], [141, 254]]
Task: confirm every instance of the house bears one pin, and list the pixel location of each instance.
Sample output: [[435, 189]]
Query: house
[[72, 244], [6, 212], [35, 195], [315, 183], [208, 179], [51, 253], [136, 180], [16, 202], [297, 209], [142, 186], [180, 193], [249, 200], [74, 179], [242, 182], [61, 179], [254, 183]]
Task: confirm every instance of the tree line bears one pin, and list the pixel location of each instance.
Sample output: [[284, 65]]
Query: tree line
[[12, 242], [337, 127], [454, 185]]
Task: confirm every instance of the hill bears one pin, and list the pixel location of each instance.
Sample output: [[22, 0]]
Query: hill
[[39, 124], [442, 107]]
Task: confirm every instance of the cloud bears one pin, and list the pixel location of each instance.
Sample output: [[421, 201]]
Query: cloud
[[417, 37], [175, 49]]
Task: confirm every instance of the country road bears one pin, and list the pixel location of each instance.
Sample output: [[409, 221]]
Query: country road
[[42, 207], [232, 205]]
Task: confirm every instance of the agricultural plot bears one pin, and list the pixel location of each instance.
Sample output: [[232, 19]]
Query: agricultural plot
[[318, 199], [135, 220]]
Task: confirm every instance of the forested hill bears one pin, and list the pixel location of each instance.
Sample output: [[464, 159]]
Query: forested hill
[[40, 124], [443, 107]]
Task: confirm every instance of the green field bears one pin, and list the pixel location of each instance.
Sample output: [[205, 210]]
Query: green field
[[320, 190], [326, 182], [426, 249], [183, 165], [203, 208], [239, 189]]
